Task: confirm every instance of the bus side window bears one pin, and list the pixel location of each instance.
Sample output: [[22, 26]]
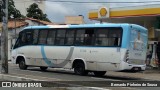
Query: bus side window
[[101, 37], [114, 37], [60, 38], [51, 37], [69, 40], [29, 38], [80, 37], [89, 37], [42, 37], [26, 38], [35, 37]]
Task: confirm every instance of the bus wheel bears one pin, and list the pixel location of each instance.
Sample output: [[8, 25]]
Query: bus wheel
[[22, 64], [99, 73], [80, 69], [43, 68]]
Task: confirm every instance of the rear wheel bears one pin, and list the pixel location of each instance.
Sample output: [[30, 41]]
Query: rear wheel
[[80, 69], [99, 73], [22, 64], [43, 68]]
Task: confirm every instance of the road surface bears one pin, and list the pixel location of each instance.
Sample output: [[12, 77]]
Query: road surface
[[54, 74]]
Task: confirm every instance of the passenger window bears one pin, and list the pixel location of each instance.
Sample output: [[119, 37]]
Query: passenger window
[[35, 37], [60, 37], [80, 37], [108, 37], [42, 36], [114, 37], [29, 38], [51, 37], [23, 39], [89, 37], [101, 37], [69, 37]]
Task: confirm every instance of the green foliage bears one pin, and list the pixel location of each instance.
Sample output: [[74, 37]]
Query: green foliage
[[35, 12], [12, 11]]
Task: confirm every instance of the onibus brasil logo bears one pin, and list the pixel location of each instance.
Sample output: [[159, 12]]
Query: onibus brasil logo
[[21, 84]]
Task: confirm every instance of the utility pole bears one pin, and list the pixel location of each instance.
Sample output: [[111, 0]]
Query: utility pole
[[15, 28], [4, 37]]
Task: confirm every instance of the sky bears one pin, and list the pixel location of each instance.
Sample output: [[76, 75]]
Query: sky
[[57, 11]]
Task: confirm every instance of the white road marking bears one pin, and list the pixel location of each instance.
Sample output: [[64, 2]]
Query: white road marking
[[104, 79], [97, 88]]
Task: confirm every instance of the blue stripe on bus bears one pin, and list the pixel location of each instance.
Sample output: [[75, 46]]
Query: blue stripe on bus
[[48, 62], [125, 38], [94, 25]]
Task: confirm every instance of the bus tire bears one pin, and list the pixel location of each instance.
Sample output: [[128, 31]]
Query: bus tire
[[79, 69], [22, 64], [43, 68], [99, 73]]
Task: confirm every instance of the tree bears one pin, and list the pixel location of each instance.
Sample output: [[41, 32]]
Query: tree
[[12, 11], [35, 12]]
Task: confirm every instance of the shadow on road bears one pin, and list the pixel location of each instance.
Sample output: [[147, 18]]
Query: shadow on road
[[69, 72]]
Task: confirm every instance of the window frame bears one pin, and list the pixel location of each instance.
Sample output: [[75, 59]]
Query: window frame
[[109, 29], [74, 36], [49, 30], [39, 31], [74, 33]]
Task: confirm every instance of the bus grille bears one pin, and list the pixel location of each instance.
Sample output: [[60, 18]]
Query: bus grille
[[138, 62]]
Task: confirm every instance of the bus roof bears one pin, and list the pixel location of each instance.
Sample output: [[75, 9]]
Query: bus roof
[[86, 26]]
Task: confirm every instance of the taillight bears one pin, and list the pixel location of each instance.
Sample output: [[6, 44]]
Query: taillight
[[127, 55]]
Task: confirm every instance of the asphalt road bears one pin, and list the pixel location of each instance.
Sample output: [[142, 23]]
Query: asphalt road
[[54, 74], [57, 74]]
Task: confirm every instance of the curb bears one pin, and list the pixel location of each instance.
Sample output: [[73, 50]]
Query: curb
[[15, 78]]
